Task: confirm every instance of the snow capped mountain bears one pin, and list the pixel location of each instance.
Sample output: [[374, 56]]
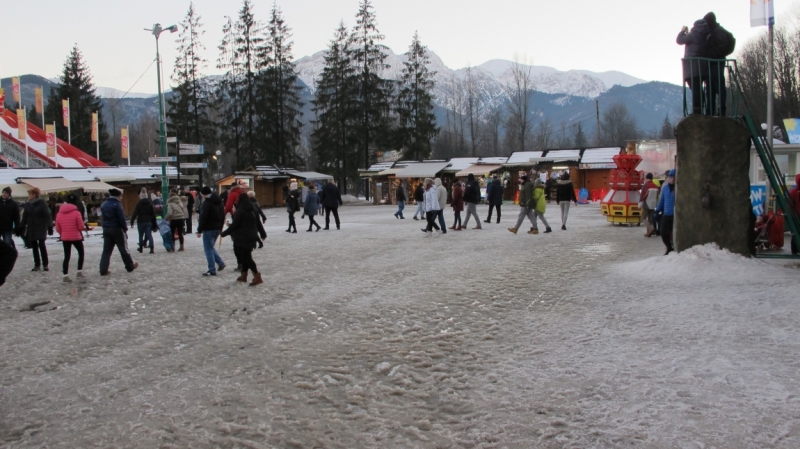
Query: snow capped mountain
[[491, 76]]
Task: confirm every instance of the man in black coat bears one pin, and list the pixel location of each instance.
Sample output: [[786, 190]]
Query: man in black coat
[[37, 224], [718, 46], [694, 70], [8, 256], [115, 229], [494, 196], [331, 199], [9, 217], [209, 225], [472, 196], [245, 229], [189, 210], [419, 197]]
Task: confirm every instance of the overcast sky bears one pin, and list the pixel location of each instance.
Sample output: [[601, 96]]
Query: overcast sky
[[636, 37]]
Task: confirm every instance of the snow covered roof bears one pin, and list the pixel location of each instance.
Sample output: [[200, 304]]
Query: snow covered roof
[[130, 173], [308, 175], [559, 156], [523, 158], [599, 155], [422, 170], [459, 163], [479, 169]]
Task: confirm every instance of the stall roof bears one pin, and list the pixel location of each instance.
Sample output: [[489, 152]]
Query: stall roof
[[422, 170], [599, 155], [523, 158], [374, 169], [17, 190], [460, 163], [560, 156], [95, 186], [308, 175], [479, 169], [47, 185]]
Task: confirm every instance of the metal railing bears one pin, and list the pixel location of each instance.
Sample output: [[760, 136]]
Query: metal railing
[[718, 82], [16, 154]]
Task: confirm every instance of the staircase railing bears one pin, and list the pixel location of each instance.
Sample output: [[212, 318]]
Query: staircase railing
[[709, 77], [16, 154]]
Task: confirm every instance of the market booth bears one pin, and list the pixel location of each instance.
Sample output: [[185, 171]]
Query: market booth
[[266, 181], [415, 173], [595, 170], [517, 162], [375, 176]]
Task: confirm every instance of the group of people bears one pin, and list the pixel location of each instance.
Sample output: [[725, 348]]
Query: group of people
[[657, 203], [707, 44], [327, 200]]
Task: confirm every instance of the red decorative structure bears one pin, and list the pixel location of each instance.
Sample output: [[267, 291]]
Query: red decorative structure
[[621, 203]]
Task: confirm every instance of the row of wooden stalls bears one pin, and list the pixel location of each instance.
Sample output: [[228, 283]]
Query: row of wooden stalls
[[270, 182], [588, 168], [91, 184]]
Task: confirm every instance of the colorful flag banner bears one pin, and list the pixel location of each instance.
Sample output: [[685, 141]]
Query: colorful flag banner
[[15, 89], [22, 126], [50, 136], [762, 13], [2, 101], [792, 126], [65, 112], [94, 126], [39, 100], [124, 142]]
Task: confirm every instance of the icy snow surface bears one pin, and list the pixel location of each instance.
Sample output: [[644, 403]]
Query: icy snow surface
[[378, 337]]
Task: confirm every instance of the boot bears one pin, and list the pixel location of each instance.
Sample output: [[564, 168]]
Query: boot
[[514, 230], [79, 275], [650, 231], [67, 279], [256, 279], [459, 228], [181, 248], [452, 227], [152, 249], [533, 231], [243, 277], [547, 229], [139, 249]]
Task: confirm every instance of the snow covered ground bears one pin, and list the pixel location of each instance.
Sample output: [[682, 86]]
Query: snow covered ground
[[375, 336]]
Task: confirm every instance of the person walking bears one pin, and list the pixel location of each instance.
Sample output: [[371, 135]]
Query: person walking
[[539, 206], [176, 215], [232, 198], [457, 205], [666, 204], [209, 225], [419, 198], [565, 193], [311, 207], [37, 225], [69, 224], [158, 203], [115, 229], [259, 213], [400, 195], [526, 205], [441, 194], [292, 206], [472, 196], [244, 231], [494, 196], [431, 200], [9, 217], [648, 202], [694, 70], [188, 202], [144, 214], [331, 199], [8, 257]]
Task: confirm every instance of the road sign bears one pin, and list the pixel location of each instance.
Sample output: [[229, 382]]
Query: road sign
[[172, 139], [189, 149], [164, 159], [194, 165]]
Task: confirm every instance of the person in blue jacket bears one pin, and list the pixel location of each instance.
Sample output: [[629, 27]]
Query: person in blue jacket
[[115, 228], [666, 205]]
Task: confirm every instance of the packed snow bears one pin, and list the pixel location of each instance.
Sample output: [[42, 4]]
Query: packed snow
[[376, 336]]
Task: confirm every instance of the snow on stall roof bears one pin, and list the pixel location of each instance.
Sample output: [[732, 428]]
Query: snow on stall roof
[[308, 175], [560, 155], [459, 163], [422, 170], [523, 157], [599, 155], [105, 174]]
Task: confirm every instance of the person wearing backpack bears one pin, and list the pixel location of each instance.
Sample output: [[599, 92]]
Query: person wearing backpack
[[694, 70], [719, 45], [648, 203]]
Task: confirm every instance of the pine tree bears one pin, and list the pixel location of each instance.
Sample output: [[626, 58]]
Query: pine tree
[[279, 106], [227, 104], [374, 97], [333, 139], [667, 131], [190, 103], [76, 85], [417, 123], [580, 138]]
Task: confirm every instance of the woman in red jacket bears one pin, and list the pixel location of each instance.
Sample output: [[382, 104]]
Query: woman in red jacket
[[69, 224]]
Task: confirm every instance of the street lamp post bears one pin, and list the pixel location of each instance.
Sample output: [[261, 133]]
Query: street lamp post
[[162, 136]]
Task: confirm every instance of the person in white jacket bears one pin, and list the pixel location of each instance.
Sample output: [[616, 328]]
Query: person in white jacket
[[441, 194], [431, 206]]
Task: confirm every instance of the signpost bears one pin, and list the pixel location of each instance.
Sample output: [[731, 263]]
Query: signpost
[[194, 165], [163, 159], [190, 149], [172, 139]]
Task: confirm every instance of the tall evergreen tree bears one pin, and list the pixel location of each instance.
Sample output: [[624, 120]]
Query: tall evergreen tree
[[279, 106], [374, 95], [190, 103], [580, 138], [417, 123], [227, 104], [667, 131], [76, 85], [333, 138]]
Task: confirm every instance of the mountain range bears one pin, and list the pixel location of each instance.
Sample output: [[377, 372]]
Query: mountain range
[[562, 97]]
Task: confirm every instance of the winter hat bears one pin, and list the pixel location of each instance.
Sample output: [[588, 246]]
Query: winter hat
[[565, 177], [471, 177], [711, 19], [143, 193], [7, 190], [672, 173], [649, 176], [312, 187], [524, 177], [251, 194], [72, 199], [206, 190], [114, 192], [537, 182]]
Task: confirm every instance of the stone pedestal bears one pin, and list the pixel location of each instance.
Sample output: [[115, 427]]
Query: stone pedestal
[[712, 204]]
